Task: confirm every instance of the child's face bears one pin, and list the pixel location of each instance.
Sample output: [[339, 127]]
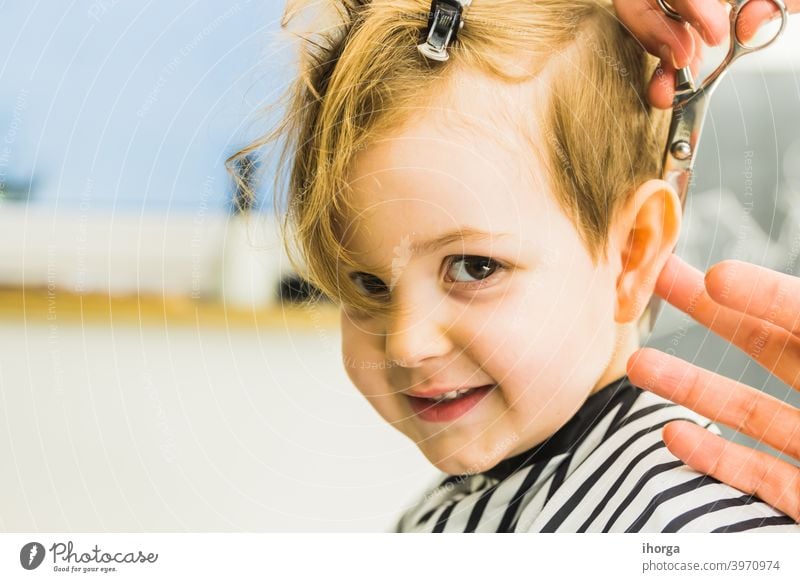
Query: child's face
[[539, 328]]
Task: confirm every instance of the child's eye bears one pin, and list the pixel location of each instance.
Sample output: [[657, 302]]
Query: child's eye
[[473, 268], [369, 284], [461, 269]]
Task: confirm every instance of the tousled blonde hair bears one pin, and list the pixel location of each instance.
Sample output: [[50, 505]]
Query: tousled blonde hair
[[362, 76]]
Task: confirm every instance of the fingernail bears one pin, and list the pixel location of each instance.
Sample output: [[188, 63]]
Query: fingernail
[[666, 54], [709, 39]]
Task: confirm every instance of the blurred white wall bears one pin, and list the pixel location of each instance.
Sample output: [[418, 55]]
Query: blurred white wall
[[201, 255]]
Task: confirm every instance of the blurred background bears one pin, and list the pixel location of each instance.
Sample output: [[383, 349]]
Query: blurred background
[[156, 372]]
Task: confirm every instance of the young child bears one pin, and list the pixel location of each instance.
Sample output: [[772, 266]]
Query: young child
[[492, 227]]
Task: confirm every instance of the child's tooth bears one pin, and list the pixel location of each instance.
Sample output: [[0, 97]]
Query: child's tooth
[[452, 394], [447, 395]]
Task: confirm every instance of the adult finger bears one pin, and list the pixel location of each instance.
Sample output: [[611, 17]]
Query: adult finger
[[773, 347], [768, 478], [708, 17], [661, 90], [655, 30], [694, 65], [718, 398], [753, 16], [758, 291]]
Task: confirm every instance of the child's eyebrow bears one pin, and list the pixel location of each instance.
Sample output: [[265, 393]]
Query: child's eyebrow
[[462, 234]]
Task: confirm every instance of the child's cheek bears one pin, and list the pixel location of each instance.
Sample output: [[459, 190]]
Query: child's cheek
[[548, 321], [362, 357]]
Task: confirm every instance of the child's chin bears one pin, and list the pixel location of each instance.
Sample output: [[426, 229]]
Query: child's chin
[[456, 462]]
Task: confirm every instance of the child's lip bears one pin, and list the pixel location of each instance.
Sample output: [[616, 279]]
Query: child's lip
[[434, 392], [448, 410]]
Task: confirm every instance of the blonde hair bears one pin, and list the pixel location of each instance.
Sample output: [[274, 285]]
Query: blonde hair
[[364, 76]]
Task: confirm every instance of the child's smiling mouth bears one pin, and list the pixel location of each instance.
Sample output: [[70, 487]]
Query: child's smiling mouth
[[445, 408]]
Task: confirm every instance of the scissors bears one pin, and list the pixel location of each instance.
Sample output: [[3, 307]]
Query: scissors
[[689, 108]]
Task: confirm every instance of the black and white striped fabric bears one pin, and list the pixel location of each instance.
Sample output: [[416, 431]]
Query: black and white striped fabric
[[606, 470]]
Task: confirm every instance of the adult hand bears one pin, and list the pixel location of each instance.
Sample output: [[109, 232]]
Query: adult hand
[[758, 310], [680, 44]]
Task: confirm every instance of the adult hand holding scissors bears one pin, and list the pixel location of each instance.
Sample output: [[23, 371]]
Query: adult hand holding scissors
[[679, 44], [758, 310], [753, 307]]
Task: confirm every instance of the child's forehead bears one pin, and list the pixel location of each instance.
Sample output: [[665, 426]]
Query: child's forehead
[[467, 96], [470, 119], [447, 163], [466, 155], [429, 186], [480, 99]]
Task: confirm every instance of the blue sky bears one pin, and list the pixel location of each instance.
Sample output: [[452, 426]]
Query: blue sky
[[133, 105]]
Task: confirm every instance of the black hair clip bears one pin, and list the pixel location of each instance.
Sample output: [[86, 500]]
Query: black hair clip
[[444, 22]]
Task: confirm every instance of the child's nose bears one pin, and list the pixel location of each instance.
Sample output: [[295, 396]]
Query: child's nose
[[415, 336]]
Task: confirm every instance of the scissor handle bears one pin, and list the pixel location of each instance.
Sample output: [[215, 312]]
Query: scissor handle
[[737, 7], [736, 49]]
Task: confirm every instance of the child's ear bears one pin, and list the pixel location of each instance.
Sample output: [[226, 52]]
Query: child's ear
[[646, 232]]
